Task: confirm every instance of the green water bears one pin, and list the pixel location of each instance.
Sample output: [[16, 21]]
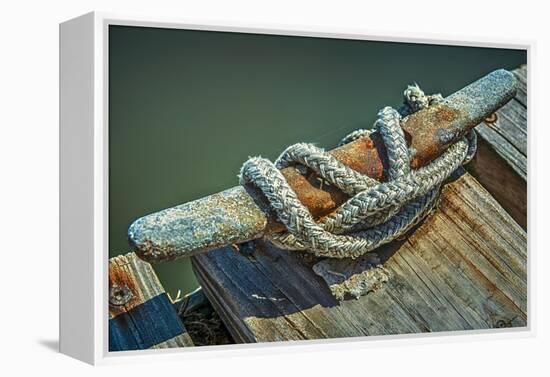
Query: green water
[[186, 108]]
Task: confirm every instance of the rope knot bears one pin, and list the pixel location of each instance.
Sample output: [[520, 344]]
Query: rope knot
[[377, 212], [415, 98]]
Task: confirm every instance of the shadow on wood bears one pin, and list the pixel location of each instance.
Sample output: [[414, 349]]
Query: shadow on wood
[[463, 268]]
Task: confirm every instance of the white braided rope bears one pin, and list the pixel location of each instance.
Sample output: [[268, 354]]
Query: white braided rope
[[377, 212]]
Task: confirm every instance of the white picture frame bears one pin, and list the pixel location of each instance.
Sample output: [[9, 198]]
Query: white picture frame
[[84, 187]]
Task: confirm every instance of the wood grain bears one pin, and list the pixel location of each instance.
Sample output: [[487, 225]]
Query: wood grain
[[500, 164], [462, 268], [132, 285]]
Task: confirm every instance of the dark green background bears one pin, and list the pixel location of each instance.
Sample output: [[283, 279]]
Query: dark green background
[[186, 108]]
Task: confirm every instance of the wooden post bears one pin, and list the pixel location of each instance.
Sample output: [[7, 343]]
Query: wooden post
[[141, 315], [500, 164]]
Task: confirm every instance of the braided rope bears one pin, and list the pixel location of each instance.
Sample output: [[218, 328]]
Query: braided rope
[[377, 212]]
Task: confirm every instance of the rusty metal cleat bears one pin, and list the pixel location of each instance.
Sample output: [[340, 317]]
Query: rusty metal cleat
[[241, 214]]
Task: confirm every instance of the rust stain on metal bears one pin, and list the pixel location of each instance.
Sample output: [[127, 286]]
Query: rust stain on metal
[[491, 119], [119, 295], [368, 156], [425, 129]]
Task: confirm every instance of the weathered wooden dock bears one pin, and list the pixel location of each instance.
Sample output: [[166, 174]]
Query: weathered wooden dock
[[464, 267]]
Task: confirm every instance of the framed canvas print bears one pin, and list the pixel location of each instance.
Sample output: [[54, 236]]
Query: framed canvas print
[[224, 186]]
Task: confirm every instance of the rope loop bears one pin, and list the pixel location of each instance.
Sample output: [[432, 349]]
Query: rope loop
[[376, 212]]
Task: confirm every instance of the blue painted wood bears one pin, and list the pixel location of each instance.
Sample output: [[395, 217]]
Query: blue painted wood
[[144, 326]]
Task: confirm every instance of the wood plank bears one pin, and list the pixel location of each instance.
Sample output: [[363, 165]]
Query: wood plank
[[506, 186], [463, 268], [141, 315], [500, 164], [521, 75]]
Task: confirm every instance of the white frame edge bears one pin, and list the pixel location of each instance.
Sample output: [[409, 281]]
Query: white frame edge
[[84, 189], [76, 182]]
